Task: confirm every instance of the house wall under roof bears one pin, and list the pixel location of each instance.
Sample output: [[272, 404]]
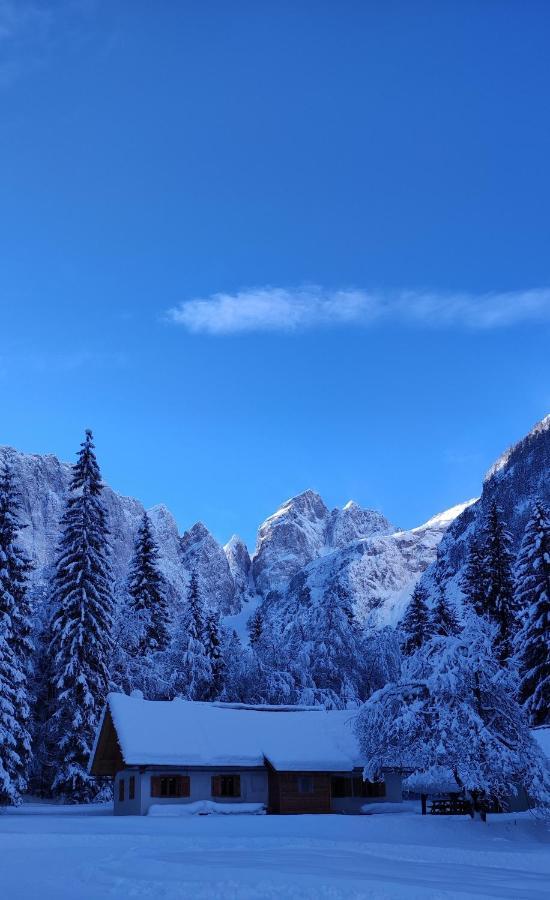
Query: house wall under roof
[[252, 782]]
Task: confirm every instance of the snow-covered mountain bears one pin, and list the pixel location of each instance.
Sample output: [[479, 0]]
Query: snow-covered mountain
[[303, 538], [519, 476], [42, 483], [240, 566], [303, 543], [377, 573], [303, 530], [201, 553]]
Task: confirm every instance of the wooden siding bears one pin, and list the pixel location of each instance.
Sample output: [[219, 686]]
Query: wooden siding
[[108, 757], [285, 795]]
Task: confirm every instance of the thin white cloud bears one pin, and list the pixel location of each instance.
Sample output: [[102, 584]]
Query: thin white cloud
[[32, 31], [281, 309]]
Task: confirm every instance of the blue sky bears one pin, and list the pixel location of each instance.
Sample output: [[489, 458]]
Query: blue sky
[[260, 247]]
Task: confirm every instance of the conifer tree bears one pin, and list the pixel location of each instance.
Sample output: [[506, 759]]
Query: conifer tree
[[147, 593], [533, 598], [474, 580], [498, 563], [255, 627], [416, 625], [323, 648], [452, 717], [214, 653], [15, 648], [81, 627], [193, 679], [444, 620]]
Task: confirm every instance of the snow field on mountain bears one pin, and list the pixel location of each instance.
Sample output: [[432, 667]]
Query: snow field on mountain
[[71, 853]]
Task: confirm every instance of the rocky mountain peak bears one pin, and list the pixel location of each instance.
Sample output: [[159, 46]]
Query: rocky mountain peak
[[203, 555], [240, 566]]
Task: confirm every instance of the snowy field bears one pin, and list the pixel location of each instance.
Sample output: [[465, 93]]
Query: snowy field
[[67, 853]]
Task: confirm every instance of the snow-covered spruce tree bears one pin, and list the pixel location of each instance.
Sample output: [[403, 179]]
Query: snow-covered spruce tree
[[416, 625], [192, 678], [444, 619], [323, 647], [147, 592], [473, 582], [382, 657], [452, 717], [498, 562], [255, 627], [81, 627], [533, 599], [213, 645], [16, 648]]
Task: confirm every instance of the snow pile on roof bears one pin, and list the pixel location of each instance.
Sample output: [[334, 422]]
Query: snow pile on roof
[[186, 733]]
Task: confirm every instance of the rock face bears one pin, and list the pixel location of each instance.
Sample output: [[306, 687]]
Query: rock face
[[201, 553], [357, 546], [352, 523], [43, 481], [304, 529], [519, 476], [240, 566], [377, 573], [288, 540]]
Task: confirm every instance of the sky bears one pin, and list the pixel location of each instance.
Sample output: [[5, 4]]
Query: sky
[[260, 247]]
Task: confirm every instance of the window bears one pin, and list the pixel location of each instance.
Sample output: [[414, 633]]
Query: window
[[121, 790], [226, 785], [170, 786], [368, 788], [356, 787], [305, 784], [341, 787], [132, 788]]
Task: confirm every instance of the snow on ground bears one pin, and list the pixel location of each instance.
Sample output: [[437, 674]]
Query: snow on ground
[[50, 853]]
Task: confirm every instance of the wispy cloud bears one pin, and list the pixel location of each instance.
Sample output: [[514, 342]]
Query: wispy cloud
[[31, 32], [282, 309]]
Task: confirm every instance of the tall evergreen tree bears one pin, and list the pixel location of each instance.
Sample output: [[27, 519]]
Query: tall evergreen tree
[[323, 648], [498, 561], [474, 580], [533, 598], [416, 624], [81, 627], [444, 620], [255, 627], [213, 644], [15, 648], [193, 675], [147, 593]]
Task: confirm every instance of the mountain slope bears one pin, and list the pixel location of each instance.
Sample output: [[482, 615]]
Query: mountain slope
[[304, 529], [376, 573], [519, 475]]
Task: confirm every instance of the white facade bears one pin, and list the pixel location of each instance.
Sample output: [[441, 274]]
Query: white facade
[[253, 788]]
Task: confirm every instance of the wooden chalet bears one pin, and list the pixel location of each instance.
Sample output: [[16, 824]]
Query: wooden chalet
[[278, 758]]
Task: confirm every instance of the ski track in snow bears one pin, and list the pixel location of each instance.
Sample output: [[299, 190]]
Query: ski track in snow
[[72, 853]]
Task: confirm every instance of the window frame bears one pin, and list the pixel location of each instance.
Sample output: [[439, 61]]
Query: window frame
[[121, 790], [219, 785], [159, 786], [132, 787]]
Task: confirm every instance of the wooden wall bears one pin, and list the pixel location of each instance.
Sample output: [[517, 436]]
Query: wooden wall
[[285, 795]]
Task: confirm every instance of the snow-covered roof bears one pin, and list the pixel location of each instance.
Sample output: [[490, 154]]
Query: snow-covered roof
[[186, 733]]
